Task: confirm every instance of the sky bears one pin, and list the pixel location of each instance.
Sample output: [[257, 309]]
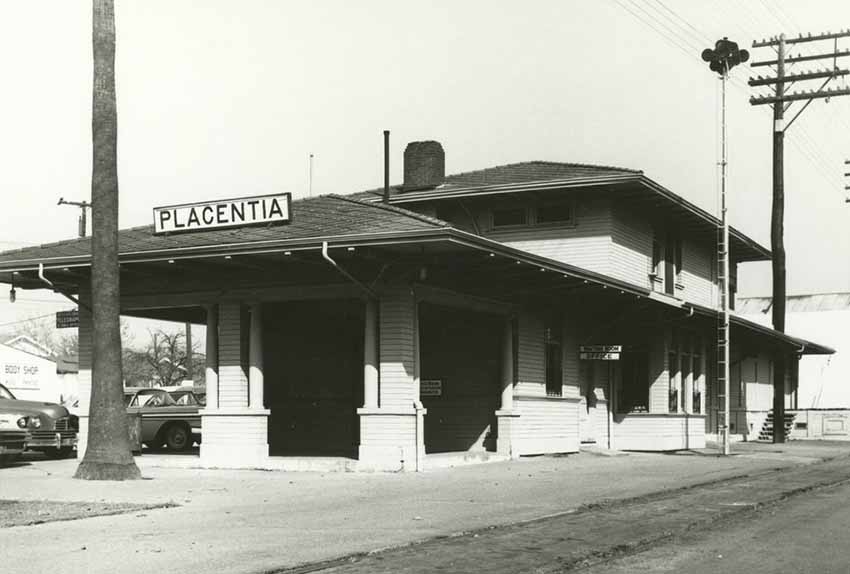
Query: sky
[[222, 99]]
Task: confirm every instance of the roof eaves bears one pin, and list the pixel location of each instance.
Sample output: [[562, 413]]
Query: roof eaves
[[703, 214], [496, 189]]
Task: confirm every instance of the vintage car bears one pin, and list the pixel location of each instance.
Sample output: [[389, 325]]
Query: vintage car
[[186, 396], [164, 422], [50, 427], [13, 435]]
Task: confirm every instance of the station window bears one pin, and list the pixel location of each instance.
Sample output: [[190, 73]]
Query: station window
[[557, 213], [509, 217], [633, 386], [553, 352], [699, 382], [674, 381], [655, 268]]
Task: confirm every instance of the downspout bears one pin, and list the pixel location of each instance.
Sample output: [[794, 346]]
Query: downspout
[[345, 273], [50, 284]]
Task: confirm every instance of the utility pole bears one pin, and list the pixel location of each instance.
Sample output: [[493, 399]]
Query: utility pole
[[721, 59], [781, 100], [83, 205]]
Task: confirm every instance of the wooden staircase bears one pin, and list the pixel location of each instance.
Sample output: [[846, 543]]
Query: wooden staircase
[[766, 432]]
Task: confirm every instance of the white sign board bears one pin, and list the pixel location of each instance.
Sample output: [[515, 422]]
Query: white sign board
[[259, 210], [600, 352], [20, 375], [431, 388]]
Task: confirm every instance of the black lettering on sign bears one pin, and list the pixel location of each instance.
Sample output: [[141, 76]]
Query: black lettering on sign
[[177, 224], [163, 217], [220, 213], [275, 209], [207, 214], [193, 219], [237, 210], [253, 205]]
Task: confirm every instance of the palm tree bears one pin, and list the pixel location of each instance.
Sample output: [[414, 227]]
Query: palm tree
[[108, 454]]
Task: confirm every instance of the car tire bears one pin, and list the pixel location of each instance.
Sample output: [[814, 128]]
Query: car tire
[[61, 452], [178, 438], [8, 459]]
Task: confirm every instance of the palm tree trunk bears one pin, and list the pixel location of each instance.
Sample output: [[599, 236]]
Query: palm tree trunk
[[108, 455]]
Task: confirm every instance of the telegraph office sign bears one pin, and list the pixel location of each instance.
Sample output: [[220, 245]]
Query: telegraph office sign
[[259, 210], [600, 352]]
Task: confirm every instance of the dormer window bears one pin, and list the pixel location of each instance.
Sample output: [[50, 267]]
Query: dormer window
[[509, 217], [558, 213]]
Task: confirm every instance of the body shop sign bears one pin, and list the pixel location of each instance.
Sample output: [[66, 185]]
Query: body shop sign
[[260, 210]]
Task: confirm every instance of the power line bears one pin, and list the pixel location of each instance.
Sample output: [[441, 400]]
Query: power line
[[27, 320]]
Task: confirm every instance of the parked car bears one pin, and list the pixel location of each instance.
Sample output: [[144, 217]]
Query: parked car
[[13, 435], [187, 397], [164, 422], [50, 427]]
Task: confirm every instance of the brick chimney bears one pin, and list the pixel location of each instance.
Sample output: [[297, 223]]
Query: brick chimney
[[424, 165]]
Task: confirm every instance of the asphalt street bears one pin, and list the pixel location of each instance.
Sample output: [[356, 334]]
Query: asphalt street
[[806, 533], [525, 515], [791, 520]]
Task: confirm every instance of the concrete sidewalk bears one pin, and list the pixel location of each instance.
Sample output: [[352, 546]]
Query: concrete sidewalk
[[252, 521]]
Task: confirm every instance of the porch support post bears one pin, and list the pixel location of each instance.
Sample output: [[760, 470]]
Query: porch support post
[[389, 432], [370, 356], [84, 353], [211, 370], [417, 401], [255, 349], [506, 416], [235, 434]]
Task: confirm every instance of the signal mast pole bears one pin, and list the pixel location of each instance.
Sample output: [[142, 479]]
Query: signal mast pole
[[721, 59]]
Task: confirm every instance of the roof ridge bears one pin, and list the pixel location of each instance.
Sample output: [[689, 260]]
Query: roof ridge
[[545, 162], [394, 209]]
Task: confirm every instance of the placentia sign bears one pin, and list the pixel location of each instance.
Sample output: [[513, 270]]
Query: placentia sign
[[259, 210]]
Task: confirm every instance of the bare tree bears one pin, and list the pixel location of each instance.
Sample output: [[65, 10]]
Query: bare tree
[[163, 361], [108, 455]]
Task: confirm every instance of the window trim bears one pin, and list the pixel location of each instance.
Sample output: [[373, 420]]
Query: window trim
[[526, 222], [535, 212]]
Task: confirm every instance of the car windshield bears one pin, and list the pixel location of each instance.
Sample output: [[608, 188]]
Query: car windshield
[[153, 398], [6, 393]]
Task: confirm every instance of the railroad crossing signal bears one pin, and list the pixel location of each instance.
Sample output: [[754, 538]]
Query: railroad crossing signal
[[724, 56]]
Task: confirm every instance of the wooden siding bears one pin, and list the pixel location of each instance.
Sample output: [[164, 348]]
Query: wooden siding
[[531, 369], [387, 430], [232, 378], [235, 431], [697, 274], [659, 373], [631, 248], [545, 425], [587, 244], [397, 348], [658, 432]]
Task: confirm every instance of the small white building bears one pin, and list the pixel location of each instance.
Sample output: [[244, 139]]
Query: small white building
[[29, 371], [821, 404]]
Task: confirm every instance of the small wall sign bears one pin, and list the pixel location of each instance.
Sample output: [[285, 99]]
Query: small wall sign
[[431, 388], [600, 352], [67, 319], [259, 210]]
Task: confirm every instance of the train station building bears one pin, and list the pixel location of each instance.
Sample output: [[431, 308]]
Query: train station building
[[517, 310]]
